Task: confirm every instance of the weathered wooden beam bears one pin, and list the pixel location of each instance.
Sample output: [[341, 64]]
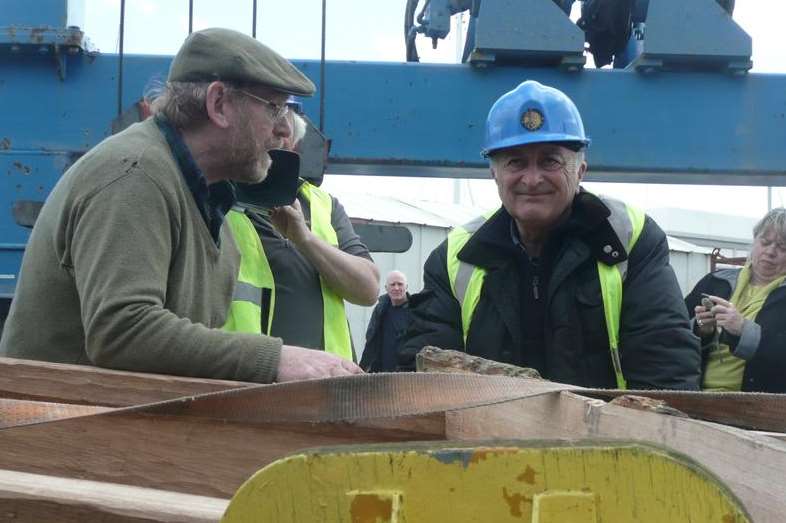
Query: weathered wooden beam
[[88, 385], [750, 410], [35, 498], [757, 411], [434, 359], [22, 412], [208, 445], [206, 457]]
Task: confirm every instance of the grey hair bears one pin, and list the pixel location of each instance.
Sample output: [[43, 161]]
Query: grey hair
[[299, 127], [182, 103], [775, 221]]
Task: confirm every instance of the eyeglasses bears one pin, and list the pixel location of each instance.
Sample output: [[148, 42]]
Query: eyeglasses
[[278, 111]]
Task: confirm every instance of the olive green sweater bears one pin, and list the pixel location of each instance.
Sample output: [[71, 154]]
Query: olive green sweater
[[121, 272]]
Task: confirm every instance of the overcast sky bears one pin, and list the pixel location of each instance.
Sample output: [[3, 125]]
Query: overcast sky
[[373, 31]]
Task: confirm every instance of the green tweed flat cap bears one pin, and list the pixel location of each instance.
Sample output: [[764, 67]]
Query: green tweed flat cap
[[227, 55]]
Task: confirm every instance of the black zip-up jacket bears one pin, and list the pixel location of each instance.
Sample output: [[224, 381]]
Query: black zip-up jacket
[[657, 348], [762, 342], [372, 352]]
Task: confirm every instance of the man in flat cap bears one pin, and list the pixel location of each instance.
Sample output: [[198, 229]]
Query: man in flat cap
[[130, 264]]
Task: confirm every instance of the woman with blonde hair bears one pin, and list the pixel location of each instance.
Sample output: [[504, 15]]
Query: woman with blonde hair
[[740, 316]]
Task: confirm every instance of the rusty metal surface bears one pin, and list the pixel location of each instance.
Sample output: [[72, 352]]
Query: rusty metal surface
[[70, 37], [19, 412]]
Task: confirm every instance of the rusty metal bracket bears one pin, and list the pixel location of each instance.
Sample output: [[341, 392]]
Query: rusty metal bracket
[[57, 43], [716, 258]]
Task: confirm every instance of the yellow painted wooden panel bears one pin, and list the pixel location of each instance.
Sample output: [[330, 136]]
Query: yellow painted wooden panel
[[568, 506], [518, 482]]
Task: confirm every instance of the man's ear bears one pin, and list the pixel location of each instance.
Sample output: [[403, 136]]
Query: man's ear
[[492, 171], [216, 104], [582, 171]]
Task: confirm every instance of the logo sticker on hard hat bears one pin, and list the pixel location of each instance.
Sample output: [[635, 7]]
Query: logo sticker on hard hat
[[532, 119]]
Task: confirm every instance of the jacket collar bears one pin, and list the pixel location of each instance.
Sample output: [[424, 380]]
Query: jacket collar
[[492, 245], [384, 300], [731, 276]]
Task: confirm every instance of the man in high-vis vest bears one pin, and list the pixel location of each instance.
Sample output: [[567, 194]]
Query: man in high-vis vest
[[299, 264], [572, 284]]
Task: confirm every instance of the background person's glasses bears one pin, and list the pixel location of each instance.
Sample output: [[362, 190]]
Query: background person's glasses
[[278, 111]]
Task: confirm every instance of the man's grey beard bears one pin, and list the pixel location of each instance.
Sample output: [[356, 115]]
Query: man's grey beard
[[244, 162]]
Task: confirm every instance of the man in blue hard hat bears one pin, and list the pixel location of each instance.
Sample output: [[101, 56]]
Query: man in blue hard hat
[[571, 284]]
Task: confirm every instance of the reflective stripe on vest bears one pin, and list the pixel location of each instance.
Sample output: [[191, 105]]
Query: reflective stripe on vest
[[254, 277], [466, 280], [627, 223], [335, 325]]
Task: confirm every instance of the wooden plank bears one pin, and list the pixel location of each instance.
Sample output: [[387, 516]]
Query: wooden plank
[[750, 410], [434, 359], [757, 411], [87, 385], [201, 456], [780, 436], [35, 498], [231, 434], [209, 445], [751, 466], [21, 412]]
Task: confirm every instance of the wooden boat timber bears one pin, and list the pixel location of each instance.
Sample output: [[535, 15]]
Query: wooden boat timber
[[185, 445]]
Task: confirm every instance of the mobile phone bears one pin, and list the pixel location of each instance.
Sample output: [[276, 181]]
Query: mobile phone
[[706, 302], [278, 188]]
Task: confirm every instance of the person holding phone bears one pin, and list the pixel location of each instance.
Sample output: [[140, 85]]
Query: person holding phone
[[738, 314], [302, 258]]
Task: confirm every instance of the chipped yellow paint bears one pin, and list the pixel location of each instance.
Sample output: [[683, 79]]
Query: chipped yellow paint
[[530, 482], [378, 506], [528, 476]]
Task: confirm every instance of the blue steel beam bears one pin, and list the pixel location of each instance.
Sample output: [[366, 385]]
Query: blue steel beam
[[415, 120], [709, 128], [385, 118], [419, 114]]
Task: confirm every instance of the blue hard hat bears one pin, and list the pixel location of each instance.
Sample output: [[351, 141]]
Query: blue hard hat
[[533, 113], [295, 105]]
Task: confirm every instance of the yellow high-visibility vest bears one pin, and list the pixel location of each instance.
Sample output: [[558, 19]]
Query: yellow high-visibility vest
[[466, 280], [256, 281]]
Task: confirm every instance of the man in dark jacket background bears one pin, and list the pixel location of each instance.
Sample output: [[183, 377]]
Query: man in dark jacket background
[[574, 285], [387, 326]]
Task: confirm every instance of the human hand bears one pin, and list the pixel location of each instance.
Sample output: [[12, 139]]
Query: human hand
[[298, 363], [290, 222], [705, 319], [727, 317]]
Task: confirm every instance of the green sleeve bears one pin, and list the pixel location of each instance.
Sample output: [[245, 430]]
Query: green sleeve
[[121, 243]]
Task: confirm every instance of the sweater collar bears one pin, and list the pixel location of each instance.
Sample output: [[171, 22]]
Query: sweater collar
[[214, 200]]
